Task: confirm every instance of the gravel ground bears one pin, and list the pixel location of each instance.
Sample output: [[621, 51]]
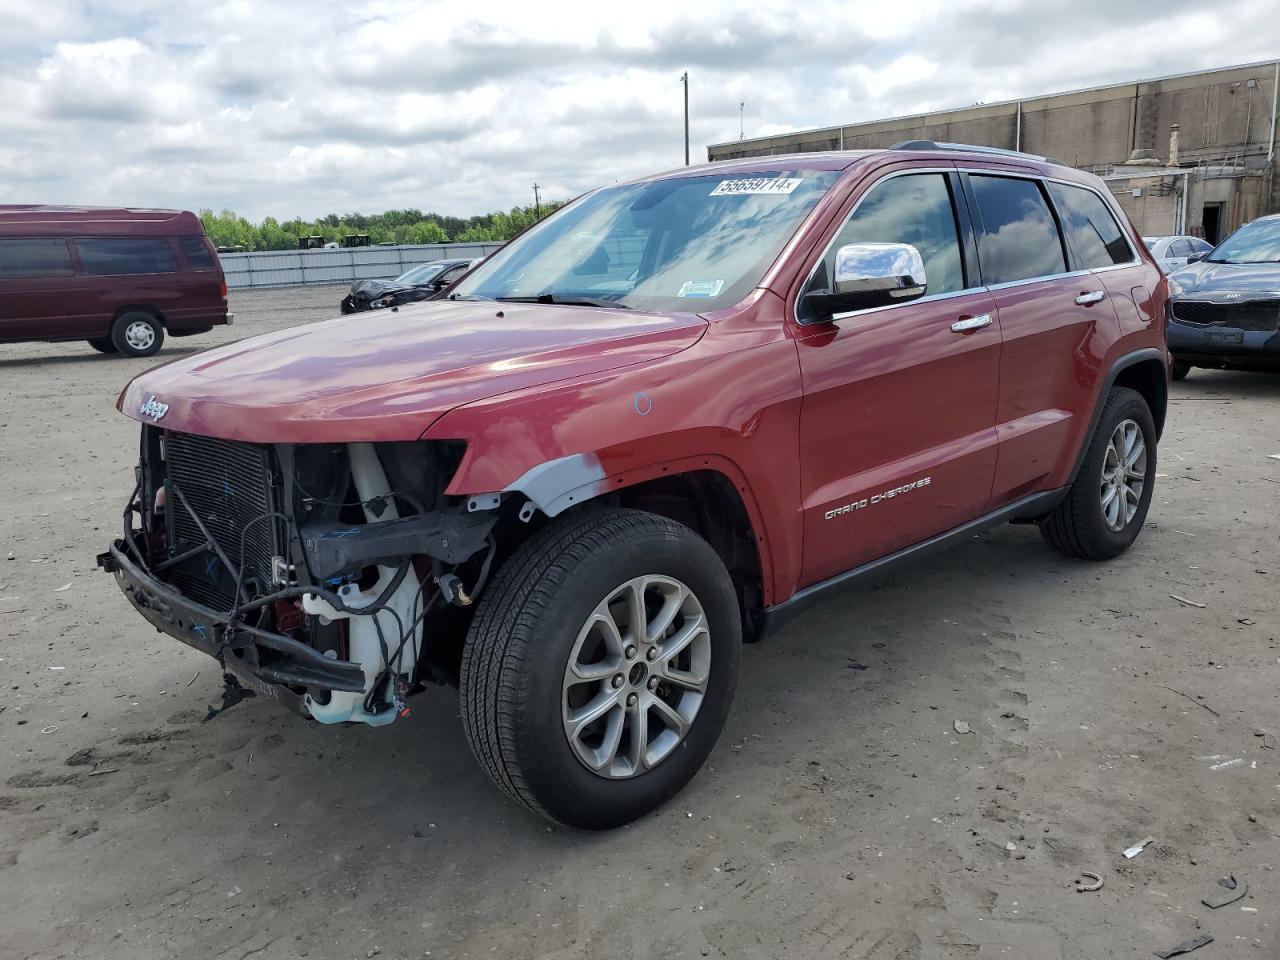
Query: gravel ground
[[842, 814]]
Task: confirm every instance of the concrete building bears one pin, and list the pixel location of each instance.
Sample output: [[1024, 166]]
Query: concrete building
[[1193, 153]]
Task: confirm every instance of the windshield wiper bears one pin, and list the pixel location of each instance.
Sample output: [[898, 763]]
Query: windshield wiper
[[571, 300], [469, 296]]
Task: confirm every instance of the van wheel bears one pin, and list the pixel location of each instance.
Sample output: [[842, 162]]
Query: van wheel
[[102, 344], [1107, 504], [1180, 370], [599, 668], [137, 334]]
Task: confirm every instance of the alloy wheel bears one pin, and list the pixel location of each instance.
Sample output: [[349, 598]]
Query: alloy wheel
[[1124, 473], [636, 676]]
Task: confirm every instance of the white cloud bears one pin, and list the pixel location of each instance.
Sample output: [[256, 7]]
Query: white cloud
[[304, 109]]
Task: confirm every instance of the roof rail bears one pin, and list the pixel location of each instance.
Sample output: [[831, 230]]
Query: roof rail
[[968, 148]]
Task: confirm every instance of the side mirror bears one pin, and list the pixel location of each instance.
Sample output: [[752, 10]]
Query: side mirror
[[871, 275], [1196, 257]]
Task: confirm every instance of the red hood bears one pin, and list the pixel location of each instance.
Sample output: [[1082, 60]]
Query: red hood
[[388, 375]]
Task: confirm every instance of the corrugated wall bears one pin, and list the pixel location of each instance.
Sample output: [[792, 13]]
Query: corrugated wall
[[282, 268]]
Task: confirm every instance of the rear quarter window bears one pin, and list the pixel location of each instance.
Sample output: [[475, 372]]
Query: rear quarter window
[[1019, 239], [34, 257], [196, 252], [1093, 235], [119, 257]]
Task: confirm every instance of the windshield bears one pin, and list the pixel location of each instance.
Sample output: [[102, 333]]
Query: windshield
[[684, 244], [1257, 242], [423, 273]]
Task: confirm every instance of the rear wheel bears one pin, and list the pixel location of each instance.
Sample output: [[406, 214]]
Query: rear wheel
[[1180, 370], [1107, 504], [102, 344], [137, 334], [599, 668]]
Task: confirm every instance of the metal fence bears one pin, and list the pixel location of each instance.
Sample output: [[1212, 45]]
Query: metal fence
[[282, 268]]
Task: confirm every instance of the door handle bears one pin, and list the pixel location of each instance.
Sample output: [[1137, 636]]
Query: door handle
[[969, 324], [1093, 296]]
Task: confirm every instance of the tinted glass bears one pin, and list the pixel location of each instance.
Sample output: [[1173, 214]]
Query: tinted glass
[[452, 274], [423, 273], [1199, 246], [1093, 236], [912, 209], [1179, 248], [196, 252], [1020, 239], [1257, 242], [34, 258], [116, 257], [688, 244]]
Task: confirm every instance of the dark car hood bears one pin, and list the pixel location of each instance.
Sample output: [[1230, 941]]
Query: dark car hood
[[373, 289], [1213, 281], [388, 375]]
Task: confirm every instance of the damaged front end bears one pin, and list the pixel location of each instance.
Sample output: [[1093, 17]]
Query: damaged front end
[[314, 573]]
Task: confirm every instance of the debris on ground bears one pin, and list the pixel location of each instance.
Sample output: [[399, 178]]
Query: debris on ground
[[62, 589], [1227, 763], [1189, 603], [1082, 887], [1235, 892], [1138, 847], [1191, 698], [1185, 947], [961, 727]]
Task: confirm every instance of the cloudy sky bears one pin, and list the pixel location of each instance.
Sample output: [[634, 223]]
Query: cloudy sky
[[276, 108]]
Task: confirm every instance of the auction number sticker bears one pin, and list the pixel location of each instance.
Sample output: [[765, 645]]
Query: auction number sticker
[[701, 288], [756, 186]]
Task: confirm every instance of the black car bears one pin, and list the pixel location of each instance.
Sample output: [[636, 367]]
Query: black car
[[1225, 308], [424, 282]]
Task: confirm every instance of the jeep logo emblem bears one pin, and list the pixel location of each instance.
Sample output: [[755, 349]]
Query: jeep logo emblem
[[153, 408]]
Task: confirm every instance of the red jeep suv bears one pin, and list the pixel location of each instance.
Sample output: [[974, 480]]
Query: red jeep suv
[[655, 425]]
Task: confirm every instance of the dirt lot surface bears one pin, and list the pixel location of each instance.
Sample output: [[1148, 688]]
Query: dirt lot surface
[[842, 814]]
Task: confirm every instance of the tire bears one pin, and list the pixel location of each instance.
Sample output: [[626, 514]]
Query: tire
[[542, 610], [1083, 525], [1180, 370], [102, 344], [137, 334]]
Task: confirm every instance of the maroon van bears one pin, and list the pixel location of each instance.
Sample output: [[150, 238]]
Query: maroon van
[[118, 279]]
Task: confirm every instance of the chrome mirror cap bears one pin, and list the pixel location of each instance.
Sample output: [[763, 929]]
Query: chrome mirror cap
[[896, 269]]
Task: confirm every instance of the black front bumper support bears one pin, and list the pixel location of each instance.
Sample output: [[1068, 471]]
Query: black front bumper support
[[271, 658]]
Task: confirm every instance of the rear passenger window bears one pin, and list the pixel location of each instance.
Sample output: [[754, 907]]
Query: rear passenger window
[[1019, 238], [104, 257], [37, 257], [1093, 236], [914, 209], [196, 252]]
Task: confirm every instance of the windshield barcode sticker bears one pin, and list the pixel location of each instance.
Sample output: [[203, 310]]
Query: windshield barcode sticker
[[701, 288], [756, 186]]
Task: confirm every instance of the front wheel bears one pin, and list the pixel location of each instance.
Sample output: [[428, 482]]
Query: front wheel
[[137, 334], [1106, 506], [599, 668]]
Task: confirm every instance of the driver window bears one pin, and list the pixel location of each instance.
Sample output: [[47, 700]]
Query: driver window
[[914, 209]]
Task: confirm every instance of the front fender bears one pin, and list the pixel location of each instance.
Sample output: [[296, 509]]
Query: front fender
[[729, 404]]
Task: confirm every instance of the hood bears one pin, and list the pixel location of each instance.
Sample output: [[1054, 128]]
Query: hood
[[373, 289], [390, 374], [1213, 281]]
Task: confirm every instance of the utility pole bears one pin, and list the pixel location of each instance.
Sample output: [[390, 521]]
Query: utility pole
[[537, 202], [684, 78], [742, 130]]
